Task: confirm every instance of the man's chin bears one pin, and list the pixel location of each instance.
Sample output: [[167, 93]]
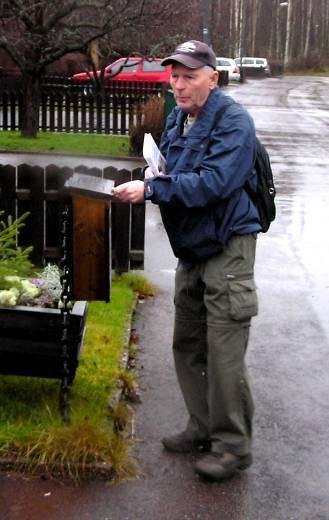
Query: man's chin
[[184, 105]]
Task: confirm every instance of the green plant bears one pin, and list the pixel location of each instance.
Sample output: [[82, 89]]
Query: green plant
[[16, 285], [138, 283], [13, 260]]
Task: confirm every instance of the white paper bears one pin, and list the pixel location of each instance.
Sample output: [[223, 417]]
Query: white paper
[[153, 156]]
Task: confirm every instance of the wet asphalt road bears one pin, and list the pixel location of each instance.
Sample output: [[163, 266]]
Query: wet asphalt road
[[287, 358]]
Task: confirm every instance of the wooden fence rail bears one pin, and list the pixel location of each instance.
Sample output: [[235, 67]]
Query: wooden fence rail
[[40, 191], [80, 108]]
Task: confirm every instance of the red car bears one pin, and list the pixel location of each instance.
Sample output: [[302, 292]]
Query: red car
[[132, 69]]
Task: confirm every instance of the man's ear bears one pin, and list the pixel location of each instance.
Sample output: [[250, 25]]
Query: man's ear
[[214, 80]]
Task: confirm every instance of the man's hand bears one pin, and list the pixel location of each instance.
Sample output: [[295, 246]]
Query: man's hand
[[132, 191]]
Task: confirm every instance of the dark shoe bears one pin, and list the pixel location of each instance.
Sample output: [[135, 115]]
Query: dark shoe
[[182, 443], [219, 466]]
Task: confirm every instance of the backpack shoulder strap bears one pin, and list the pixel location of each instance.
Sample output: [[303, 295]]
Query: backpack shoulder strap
[[220, 113]]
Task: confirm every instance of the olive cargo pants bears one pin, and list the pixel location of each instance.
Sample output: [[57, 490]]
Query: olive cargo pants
[[214, 303]]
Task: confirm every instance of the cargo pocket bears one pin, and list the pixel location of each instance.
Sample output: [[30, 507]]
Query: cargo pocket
[[243, 299]]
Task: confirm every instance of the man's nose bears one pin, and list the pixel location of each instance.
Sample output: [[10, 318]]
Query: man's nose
[[180, 83]]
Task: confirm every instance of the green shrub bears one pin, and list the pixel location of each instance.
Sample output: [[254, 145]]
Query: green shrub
[[13, 260]]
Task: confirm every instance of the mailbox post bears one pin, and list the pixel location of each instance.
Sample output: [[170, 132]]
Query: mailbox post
[[91, 236]]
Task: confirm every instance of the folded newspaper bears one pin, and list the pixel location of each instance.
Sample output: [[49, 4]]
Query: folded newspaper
[[153, 156]]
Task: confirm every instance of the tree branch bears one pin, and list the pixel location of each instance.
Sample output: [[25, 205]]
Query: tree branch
[[22, 13], [59, 15], [17, 57]]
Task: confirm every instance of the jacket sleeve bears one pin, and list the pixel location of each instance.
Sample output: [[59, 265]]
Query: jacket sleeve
[[225, 166]]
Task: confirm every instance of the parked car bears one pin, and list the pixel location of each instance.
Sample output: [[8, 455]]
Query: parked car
[[258, 65], [229, 65], [132, 69]]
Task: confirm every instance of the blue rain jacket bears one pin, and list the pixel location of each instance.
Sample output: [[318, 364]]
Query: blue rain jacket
[[201, 197]]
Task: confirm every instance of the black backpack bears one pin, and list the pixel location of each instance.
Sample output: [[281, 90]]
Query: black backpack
[[263, 197]]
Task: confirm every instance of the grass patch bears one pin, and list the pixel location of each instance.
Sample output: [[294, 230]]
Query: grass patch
[[79, 144], [308, 72], [33, 437]]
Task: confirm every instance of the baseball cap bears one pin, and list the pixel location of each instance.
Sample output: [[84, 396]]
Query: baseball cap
[[193, 54]]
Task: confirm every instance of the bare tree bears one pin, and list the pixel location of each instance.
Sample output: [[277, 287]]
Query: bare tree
[[287, 49], [36, 33], [308, 28], [254, 22], [295, 32]]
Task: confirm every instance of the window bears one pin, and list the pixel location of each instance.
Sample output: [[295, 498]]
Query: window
[[223, 63], [153, 66], [130, 66]]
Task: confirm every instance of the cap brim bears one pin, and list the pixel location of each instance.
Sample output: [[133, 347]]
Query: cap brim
[[187, 61]]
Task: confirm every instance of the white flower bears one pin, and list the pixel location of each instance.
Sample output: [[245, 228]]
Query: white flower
[[29, 290], [52, 276], [44, 291], [12, 279], [9, 297]]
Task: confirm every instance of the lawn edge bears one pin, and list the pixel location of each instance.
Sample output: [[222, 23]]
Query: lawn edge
[[97, 470]]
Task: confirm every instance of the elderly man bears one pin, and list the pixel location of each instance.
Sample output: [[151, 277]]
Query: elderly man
[[209, 145]]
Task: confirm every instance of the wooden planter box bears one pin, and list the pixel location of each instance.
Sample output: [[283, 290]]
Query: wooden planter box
[[31, 341]]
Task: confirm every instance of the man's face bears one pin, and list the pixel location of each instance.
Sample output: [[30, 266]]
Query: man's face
[[192, 86]]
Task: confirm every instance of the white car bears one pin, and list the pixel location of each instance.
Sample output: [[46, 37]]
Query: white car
[[257, 64], [229, 65]]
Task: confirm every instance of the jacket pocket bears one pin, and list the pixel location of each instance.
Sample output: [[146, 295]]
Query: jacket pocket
[[192, 153], [243, 299]]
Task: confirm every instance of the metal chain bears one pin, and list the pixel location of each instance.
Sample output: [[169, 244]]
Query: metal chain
[[65, 307]]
